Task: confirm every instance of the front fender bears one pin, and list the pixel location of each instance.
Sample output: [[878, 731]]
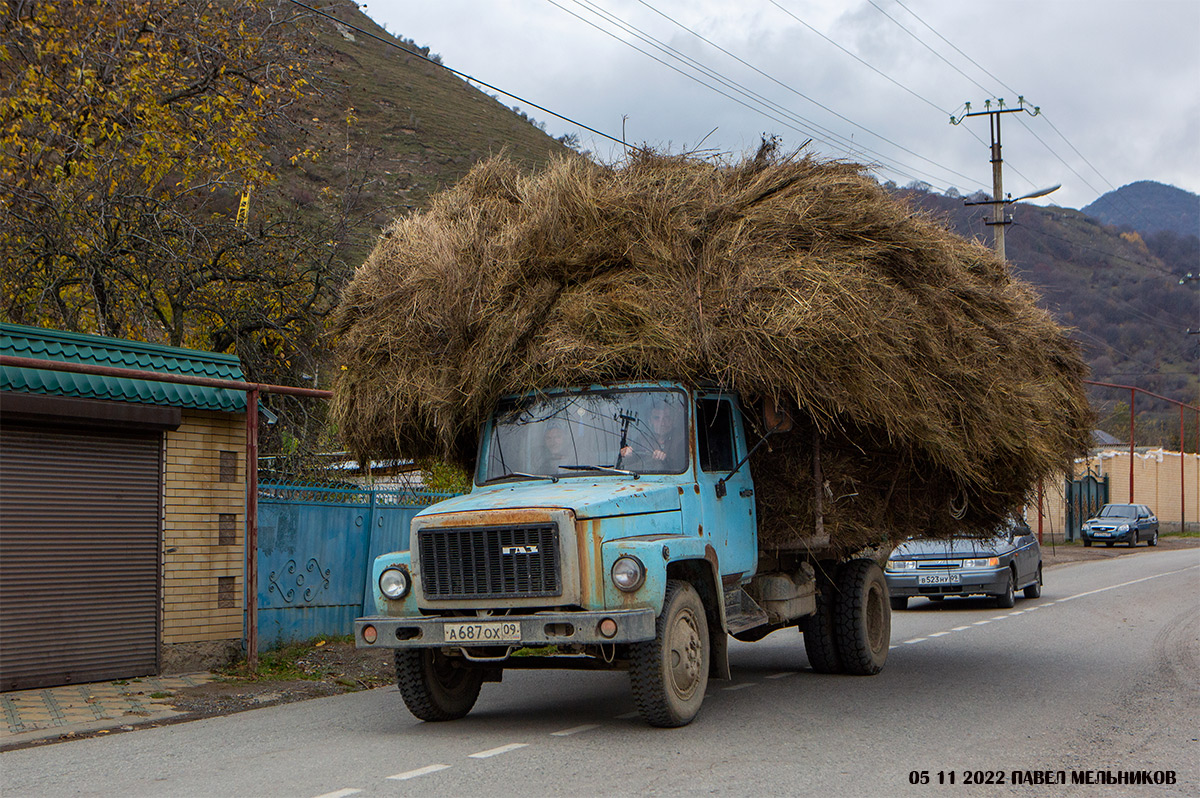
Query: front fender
[[656, 553], [385, 605]]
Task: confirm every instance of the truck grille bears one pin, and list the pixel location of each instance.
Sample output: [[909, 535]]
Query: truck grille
[[490, 562]]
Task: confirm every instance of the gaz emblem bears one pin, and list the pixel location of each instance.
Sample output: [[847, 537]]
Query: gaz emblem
[[506, 550]]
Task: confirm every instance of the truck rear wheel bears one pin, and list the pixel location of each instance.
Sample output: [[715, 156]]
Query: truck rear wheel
[[669, 674], [819, 638], [862, 618], [436, 687]]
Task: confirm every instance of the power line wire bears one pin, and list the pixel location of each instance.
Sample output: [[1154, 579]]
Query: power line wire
[[391, 43], [1137, 211], [847, 144], [800, 94], [927, 47], [877, 71], [687, 75], [735, 87], [955, 48]]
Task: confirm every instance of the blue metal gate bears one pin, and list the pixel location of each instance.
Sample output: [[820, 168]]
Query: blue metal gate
[[1084, 498], [315, 549]]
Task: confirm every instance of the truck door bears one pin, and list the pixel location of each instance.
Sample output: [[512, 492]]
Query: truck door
[[729, 521]]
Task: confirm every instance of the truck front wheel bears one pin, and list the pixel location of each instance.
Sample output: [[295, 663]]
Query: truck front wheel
[[436, 687], [669, 674], [862, 618]]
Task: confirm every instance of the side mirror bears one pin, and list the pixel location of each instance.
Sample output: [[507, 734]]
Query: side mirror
[[777, 417]]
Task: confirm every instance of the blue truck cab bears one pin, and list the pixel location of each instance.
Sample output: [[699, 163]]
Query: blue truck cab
[[610, 527]]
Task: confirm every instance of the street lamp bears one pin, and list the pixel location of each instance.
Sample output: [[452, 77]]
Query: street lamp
[[1003, 219]]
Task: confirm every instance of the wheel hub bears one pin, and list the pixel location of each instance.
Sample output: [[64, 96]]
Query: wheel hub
[[685, 655]]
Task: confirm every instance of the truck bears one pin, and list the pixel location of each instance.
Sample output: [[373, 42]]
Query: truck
[[615, 527]]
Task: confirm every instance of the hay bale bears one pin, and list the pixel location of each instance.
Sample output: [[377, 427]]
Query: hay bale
[[927, 370]]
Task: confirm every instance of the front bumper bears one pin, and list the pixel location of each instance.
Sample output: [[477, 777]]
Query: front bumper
[[990, 581], [537, 629], [1106, 536]]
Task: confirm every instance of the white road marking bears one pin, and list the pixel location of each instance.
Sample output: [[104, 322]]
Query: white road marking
[[340, 793], [741, 686], [627, 716], [783, 675], [1035, 607], [504, 749], [575, 730], [412, 774], [1126, 584]]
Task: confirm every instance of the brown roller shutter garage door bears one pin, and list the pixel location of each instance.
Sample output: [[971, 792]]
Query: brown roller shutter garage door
[[79, 539]]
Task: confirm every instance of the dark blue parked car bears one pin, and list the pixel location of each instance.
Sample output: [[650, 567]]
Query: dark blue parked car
[[997, 566], [1121, 523]]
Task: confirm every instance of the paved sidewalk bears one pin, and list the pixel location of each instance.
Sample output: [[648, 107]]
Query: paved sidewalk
[[87, 708]]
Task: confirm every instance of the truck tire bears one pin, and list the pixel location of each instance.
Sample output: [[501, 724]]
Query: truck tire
[[818, 629], [436, 687], [669, 674], [862, 618]]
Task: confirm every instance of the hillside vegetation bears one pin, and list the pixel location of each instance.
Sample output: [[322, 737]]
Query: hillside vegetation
[[414, 128], [1120, 291], [1149, 207]]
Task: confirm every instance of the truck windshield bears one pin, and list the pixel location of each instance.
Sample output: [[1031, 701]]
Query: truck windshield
[[583, 433]]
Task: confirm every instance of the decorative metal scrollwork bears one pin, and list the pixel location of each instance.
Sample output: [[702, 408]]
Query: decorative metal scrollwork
[[310, 592]]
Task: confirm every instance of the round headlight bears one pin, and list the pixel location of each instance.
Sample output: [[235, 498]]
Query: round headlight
[[628, 573], [394, 583]]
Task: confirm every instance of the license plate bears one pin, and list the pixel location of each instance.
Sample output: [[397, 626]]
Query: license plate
[[1102, 534], [488, 632], [939, 579]]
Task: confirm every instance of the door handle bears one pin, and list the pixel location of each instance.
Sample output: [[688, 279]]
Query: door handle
[[746, 493]]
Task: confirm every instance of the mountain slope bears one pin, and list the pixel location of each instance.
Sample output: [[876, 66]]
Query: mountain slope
[[1120, 293], [391, 128], [1149, 207]]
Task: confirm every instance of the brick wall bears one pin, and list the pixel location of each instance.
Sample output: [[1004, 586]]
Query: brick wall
[[1158, 482], [203, 531]]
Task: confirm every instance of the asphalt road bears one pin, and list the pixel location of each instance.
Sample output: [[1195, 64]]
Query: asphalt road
[[1099, 676]]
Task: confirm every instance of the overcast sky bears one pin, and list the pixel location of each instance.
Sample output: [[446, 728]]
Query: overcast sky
[[1117, 81]]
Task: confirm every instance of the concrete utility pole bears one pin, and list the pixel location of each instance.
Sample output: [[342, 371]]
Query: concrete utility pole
[[998, 201]]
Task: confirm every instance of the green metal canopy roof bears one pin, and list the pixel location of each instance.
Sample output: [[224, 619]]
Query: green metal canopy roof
[[36, 342]]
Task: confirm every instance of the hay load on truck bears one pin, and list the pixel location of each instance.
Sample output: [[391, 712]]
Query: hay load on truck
[[696, 400]]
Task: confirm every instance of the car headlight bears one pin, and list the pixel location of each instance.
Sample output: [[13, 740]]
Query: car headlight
[[901, 565], [1123, 528], [394, 583], [982, 562], [628, 573]]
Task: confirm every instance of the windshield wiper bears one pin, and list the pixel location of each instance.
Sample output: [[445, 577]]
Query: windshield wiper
[[524, 475], [606, 469]]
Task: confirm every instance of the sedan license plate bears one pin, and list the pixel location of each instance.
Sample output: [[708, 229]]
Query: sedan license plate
[[486, 632], [939, 579], [1099, 534]]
